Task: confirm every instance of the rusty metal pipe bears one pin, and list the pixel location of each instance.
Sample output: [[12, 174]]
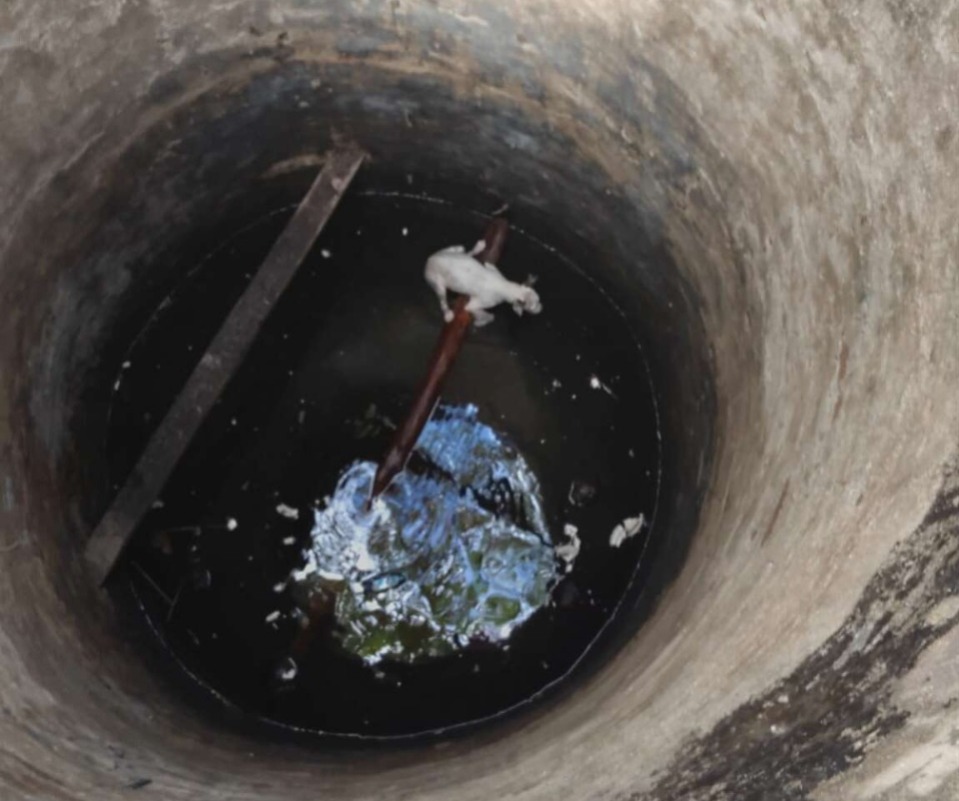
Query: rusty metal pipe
[[444, 356]]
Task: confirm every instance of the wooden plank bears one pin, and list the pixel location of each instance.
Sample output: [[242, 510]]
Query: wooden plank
[[219, 363]]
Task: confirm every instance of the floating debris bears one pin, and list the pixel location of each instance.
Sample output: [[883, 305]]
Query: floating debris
[[568, 551], [455, 553], [595, 383], [287, 670], [628, 528], [289, 512], [231, 524]]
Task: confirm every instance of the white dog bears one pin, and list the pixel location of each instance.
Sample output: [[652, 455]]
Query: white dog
[[455, 269]]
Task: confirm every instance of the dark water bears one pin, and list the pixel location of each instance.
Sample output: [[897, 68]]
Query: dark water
[[333, 369]]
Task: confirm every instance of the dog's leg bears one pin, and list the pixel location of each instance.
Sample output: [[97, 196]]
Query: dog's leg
[[480, 316], [440, 289]]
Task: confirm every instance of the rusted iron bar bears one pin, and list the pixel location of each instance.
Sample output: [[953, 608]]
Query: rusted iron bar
[[219, 363], [450, 342]]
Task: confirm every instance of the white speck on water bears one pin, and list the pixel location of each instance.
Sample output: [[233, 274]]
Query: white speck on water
[[231, 524], [628, 528], [557, 383], [116, 385], [233, 421], [406, 232], [288, 512], [287, 670], [289, 540], [632, 454], [783, 699], [273, 616], [279, 587], [325, 253], [308, 570], [158, 504], [301, 416], [126, 365], [568, 551], [595, 383]]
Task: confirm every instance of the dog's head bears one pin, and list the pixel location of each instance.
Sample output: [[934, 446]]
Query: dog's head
[[528, 301]]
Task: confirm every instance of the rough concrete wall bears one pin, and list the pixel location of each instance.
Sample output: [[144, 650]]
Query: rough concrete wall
[[800, 163]]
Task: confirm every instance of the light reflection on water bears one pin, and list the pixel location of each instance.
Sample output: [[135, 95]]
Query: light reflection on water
[[453, 552]]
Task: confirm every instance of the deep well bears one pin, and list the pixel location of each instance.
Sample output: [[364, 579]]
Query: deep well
[[771, 192]]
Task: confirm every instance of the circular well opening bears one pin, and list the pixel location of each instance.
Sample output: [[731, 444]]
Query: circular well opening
[[770, 221], [586, 392], [218, 566], [180, 209]]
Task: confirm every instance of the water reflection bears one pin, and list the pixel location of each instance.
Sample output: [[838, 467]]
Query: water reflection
[[456, 550]]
